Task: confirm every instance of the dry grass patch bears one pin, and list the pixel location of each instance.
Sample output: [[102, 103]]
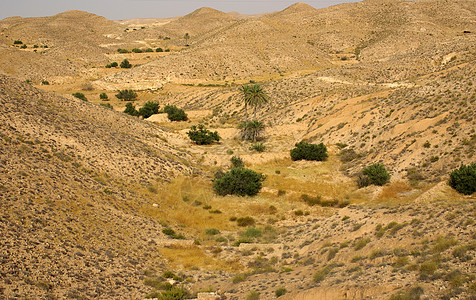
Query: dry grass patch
[[193, 257]]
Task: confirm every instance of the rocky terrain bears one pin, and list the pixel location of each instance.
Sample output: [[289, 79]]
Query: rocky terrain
[[99, 204]]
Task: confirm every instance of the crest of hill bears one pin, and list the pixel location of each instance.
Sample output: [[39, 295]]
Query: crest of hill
[[200, 21], [78, 173], [298, 9]]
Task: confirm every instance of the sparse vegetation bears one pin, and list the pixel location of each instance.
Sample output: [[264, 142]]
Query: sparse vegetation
[[251, 130]]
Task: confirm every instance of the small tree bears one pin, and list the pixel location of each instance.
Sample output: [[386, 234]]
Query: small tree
[[373, 174], [175, 114], [126, 95], [186, 37], [201, 136], [103, 96], [308, 151], [80, 96], [239, 181], [464, 179], [149, 109], [125, 64], [131, 110]]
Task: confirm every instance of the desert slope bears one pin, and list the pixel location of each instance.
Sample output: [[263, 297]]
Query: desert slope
[[72, 221]]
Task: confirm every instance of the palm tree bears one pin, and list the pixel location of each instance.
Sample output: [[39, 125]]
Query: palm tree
[[251, 130], [257, 97]]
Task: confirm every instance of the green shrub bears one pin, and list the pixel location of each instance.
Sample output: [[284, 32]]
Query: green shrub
[[175, 114], [237, 162], [17, 42], [131, 110], [137, 50], [123, 51], [149, 109], [252, 232], [202, 136], [103, 96], [108, 105], [126, 95], [239, 181], [174, 293], [253, 295], [245, 221], [259, 147], [149, 50], [112, 65], [80, 96], [159, 50], [464, 179], [125, 64], [251, 130], [23, 46], [373, 174], [45, 82], [212, 231], [412, 294], [281, 291], [308, 151]]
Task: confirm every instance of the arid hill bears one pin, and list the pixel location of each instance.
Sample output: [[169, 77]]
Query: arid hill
[[71, 205]]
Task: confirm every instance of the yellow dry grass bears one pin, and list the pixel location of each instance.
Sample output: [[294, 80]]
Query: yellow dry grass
[[193, 257]]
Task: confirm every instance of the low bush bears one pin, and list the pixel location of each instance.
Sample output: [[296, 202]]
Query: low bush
[[239, 181], [237, 162], [125, 64], [202, 136], [308, 151], [131, 110], [80, 96], [281, 291], [175, 114], [159, 50], [464, 179], [373, 174], [137, 50], [245, 221], [150, 108], [108, 105], [259, 147], [103, 96], [123, 51], [126, 95], [17, 42]]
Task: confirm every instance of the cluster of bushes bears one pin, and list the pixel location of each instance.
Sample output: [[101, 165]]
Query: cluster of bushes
[[126, 95], [112, 65], [308, 151], [162, 50], [202, 136], [137, 50], [238, 181], [149, 109], [103, 96], [311, 201], [175, 114]]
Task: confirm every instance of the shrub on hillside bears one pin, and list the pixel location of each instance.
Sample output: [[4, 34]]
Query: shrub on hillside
[[308, 151], [125, 64], [131, 110], [108, 105], [137, 50], [373, 174], [126, 95], [103, 96], [123, 50], [175, 114], [239, 181], [202, 136], [112, 65], [464, 179], [149, 109], [159, 50], [17, 42], [80, 96], [237, 162]]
